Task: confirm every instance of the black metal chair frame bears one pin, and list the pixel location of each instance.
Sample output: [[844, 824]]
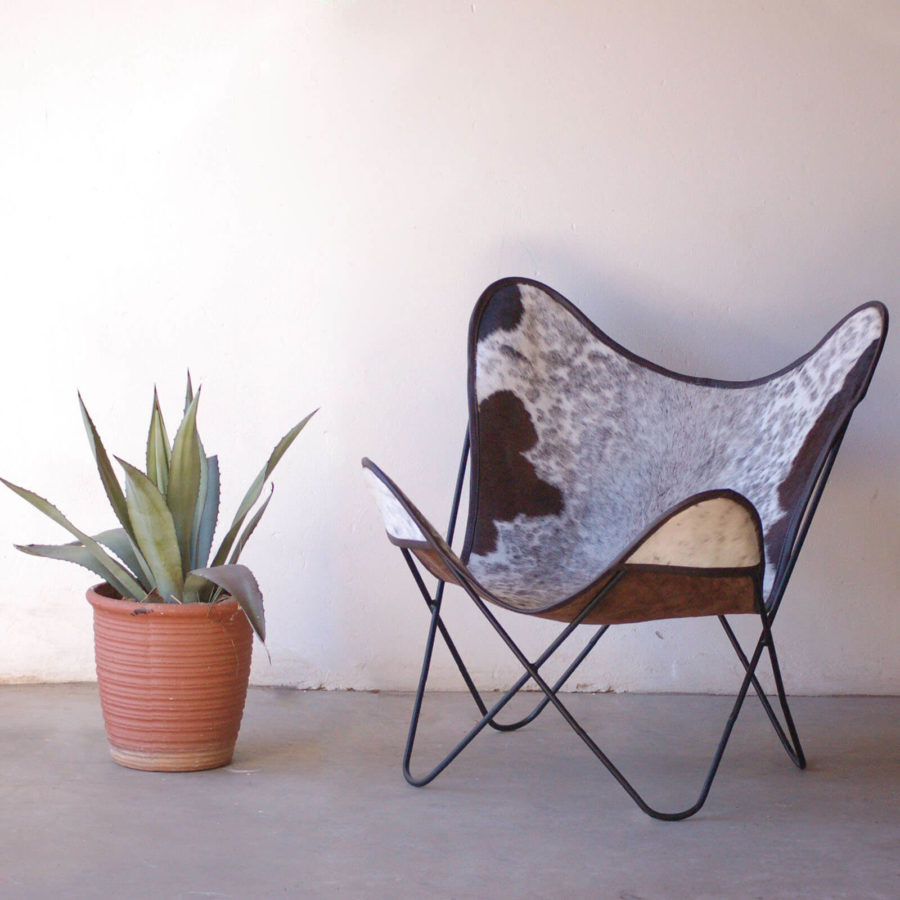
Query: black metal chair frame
[[787, 732]]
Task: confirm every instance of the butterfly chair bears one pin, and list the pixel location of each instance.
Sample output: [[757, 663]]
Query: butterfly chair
[[605, 489]]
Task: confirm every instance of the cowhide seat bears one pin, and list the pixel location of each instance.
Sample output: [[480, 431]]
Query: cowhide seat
[[606, 489]]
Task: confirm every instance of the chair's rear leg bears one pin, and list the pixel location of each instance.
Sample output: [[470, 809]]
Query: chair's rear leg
[[797, 756], [791, 744], [557, 685]]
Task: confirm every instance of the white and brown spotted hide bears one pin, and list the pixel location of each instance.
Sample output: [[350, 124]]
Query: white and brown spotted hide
[[580, 448]]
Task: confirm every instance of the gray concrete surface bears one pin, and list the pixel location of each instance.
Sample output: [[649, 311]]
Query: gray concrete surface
[[314, 804]]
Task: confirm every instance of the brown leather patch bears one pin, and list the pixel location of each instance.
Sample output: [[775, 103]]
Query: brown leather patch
[[508, 483], [647, 593], [433, 562], [644, 594]]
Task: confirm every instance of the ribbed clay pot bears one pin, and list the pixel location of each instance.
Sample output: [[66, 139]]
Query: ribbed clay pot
[[173, 680]]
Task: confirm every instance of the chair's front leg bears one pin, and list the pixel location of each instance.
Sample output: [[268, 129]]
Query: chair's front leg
[[486, 719], [488, 715], [532, 671], [431, 602], [434, 604]]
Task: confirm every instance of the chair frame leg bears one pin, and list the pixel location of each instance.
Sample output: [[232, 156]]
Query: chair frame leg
[[786, 733], [789, 740]]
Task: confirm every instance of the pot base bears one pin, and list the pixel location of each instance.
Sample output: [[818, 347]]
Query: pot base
[[171, 760]]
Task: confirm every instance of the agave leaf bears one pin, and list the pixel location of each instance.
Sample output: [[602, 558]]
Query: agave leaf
[[118, 572], [184, 480], [158, 452], [120, 542], [199, 505], [188, 393], [251, 527], [107, 475], [154, 531], [255, 489], [240, 583], [197, 589], [76, 553], [207, 515]]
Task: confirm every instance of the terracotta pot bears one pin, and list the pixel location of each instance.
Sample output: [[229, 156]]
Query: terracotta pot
[[173, 680]]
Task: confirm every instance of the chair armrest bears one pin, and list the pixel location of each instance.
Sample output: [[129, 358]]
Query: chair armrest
[[408, 529]]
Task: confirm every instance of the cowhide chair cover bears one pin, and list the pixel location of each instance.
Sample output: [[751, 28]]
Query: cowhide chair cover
[[595, 472]]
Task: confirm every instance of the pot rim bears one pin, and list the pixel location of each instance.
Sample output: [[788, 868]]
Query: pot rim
[[99, 596]]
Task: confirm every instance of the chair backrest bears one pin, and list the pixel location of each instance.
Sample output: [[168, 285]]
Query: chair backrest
[[579, 445]]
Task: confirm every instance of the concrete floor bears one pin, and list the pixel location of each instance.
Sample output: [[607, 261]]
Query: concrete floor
[[314, 804]]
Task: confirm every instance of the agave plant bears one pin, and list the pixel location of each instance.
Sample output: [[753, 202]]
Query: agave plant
[[167, 517]]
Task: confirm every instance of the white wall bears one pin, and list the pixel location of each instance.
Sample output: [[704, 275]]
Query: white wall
[[302, 200]]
